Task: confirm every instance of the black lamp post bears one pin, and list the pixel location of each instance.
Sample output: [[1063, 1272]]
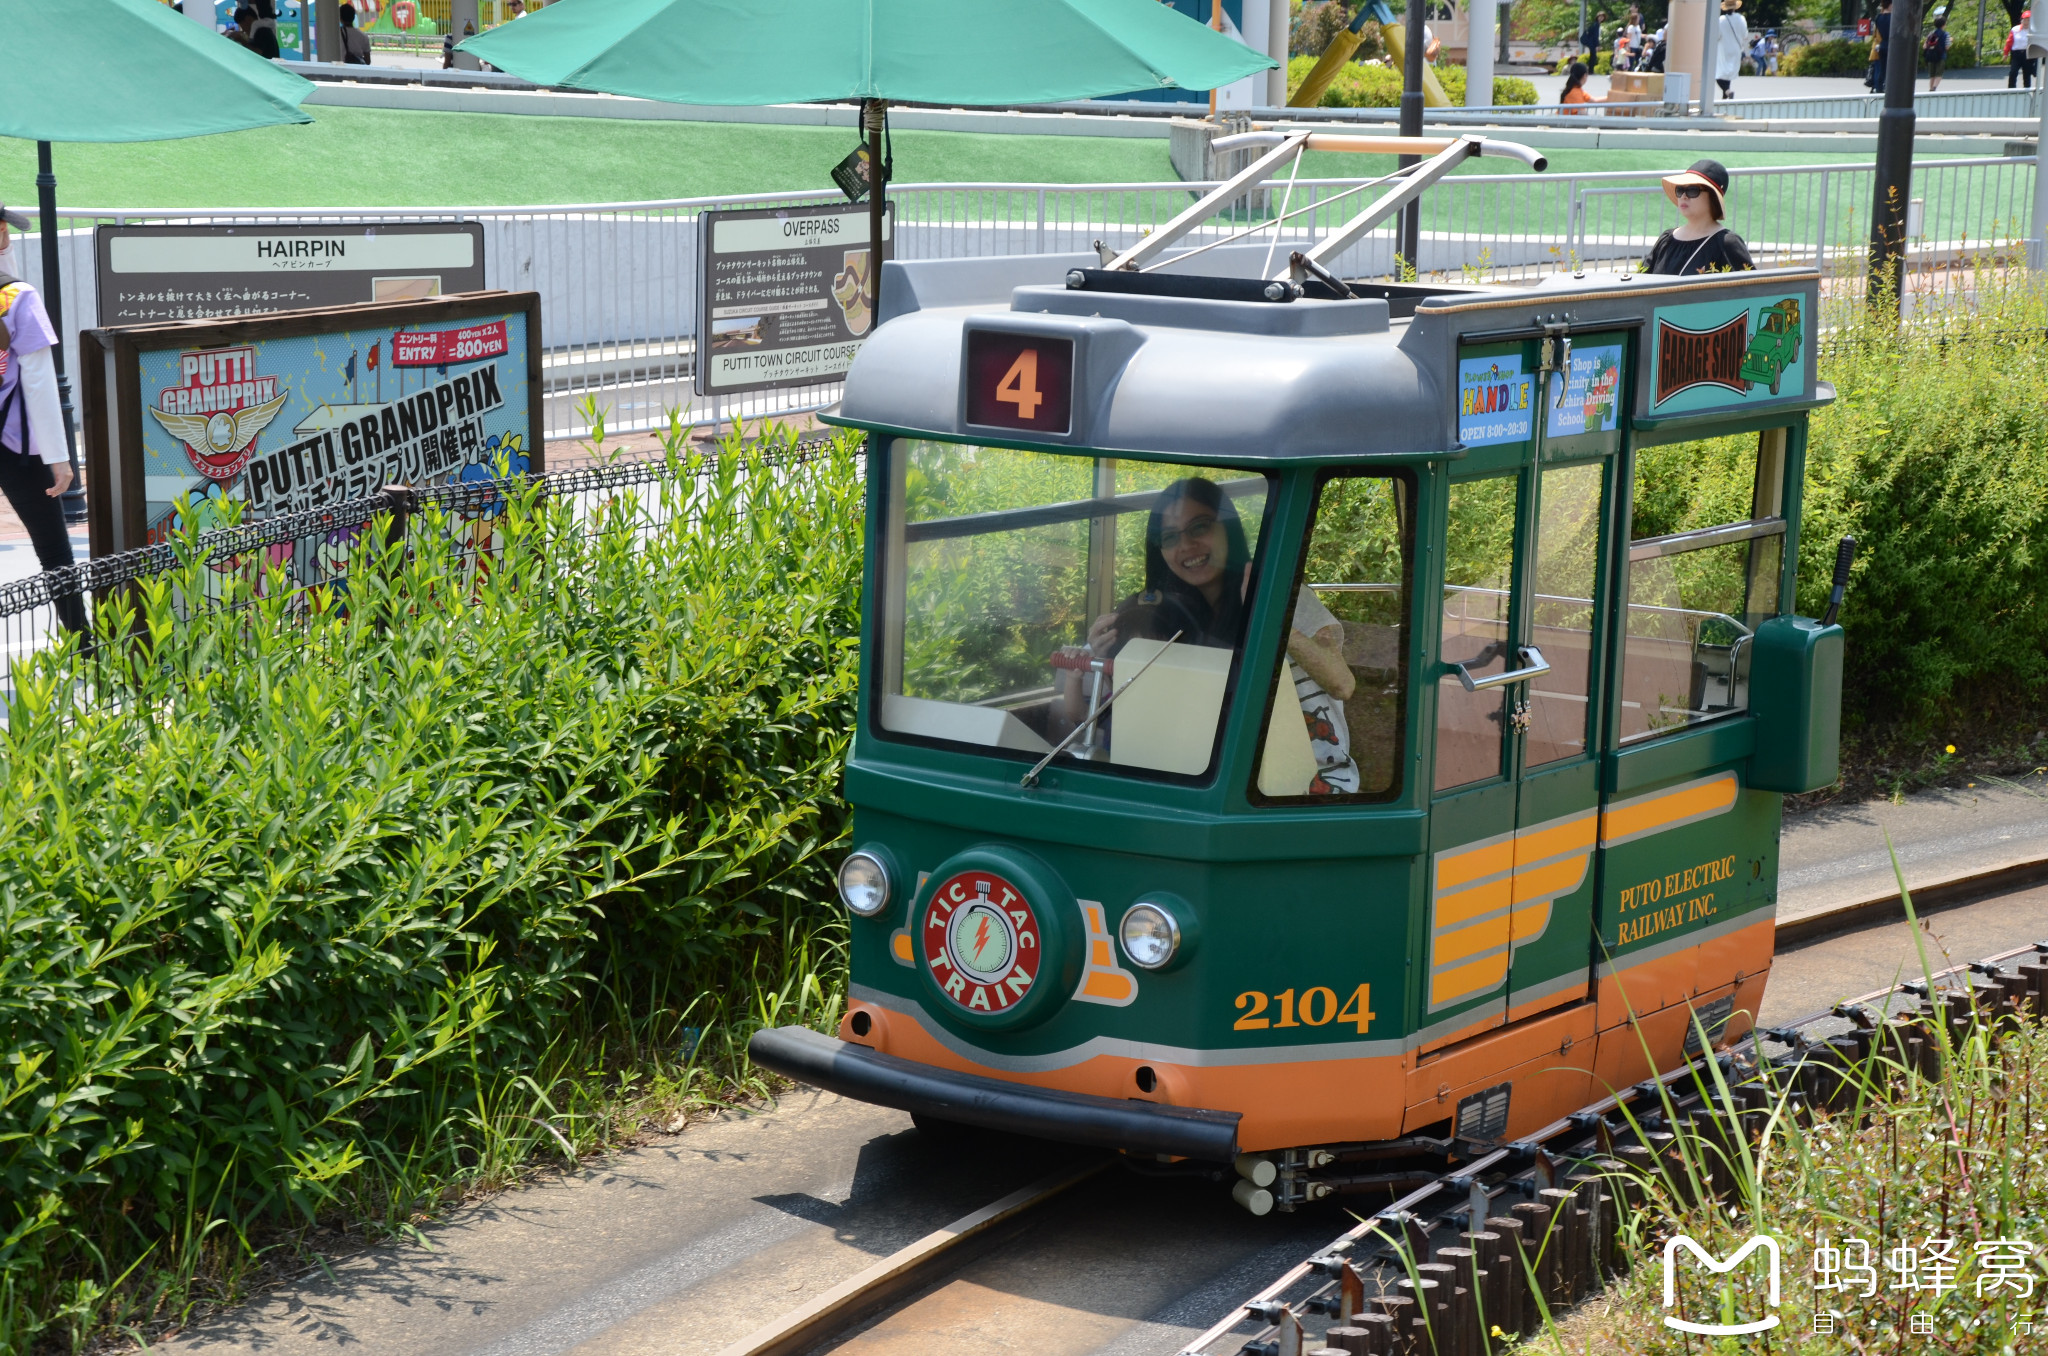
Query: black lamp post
[[1410, 242], [53, 302], [1894, 160]]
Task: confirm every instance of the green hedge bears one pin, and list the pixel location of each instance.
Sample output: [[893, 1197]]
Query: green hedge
[[1836, 56], [297, 922], [1365, 85], [1934, 456]]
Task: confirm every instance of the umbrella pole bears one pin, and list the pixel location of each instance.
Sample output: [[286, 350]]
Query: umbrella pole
[[53, 302], [874, 118]]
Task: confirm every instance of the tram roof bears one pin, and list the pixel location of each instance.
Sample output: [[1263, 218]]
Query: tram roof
[[1203, 378]]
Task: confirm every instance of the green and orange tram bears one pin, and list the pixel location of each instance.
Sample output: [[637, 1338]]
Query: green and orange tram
[[1305, 722]]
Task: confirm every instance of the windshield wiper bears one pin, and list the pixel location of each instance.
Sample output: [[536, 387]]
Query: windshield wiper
[[1031, 777]]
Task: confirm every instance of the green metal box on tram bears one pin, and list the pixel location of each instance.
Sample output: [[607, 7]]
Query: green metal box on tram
[[1292, 725]]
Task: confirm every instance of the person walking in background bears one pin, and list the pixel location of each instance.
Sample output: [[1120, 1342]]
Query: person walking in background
[[1729, 46], [355, 44], [2019, 65], [35, 458], [1936, 51], [1873, 79], [1699, 243], [263, 36], [1589, 37]]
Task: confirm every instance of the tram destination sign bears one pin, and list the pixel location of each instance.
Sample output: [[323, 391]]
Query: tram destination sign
[[306, 410], [786, 295], [1712, 355], [1020, 381], [151, 274]]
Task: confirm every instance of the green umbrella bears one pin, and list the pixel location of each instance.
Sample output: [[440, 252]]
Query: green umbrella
[[123, 70], [973, 52], [920, 51]]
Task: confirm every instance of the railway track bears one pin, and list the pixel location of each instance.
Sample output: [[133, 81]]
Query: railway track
[[1508, 1235]]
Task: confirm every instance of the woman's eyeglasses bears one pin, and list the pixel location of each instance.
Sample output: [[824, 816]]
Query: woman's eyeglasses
[[1199, 530], [1688, 190]]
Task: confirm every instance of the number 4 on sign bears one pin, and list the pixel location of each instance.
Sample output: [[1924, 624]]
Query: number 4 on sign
[[1019, 385]]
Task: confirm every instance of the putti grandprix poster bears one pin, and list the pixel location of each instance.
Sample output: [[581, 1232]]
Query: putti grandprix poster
[[302, 421]]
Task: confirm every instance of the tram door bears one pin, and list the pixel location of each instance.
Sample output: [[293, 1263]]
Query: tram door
[[1515, 785]]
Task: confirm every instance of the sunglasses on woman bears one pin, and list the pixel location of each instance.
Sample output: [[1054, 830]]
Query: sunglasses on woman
[[1688, 190]]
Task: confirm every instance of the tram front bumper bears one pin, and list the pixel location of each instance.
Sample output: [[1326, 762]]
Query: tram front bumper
[[970, 1099]]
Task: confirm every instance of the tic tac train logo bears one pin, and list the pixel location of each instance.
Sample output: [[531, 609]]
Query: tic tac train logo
[[981, 940], [1760, 1241], [218, 408]]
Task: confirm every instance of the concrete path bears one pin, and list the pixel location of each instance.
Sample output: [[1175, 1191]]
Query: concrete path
[[1815, 976], [679, 1248], [1836, 856]]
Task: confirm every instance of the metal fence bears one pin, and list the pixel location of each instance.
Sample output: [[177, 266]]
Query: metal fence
[[619, 280], [301, 552], [1944, 103]]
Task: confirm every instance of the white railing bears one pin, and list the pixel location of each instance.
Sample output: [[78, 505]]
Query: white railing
[[1955, 103], [618, 281]]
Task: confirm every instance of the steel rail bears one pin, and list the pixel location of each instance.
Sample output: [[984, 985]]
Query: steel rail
[[903, 1271], [1581, 1124]]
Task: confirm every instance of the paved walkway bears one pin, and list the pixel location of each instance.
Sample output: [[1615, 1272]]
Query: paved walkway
[[1835, 856], [1550, 88]]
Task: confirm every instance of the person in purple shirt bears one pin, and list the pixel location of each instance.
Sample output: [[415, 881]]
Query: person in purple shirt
[[35, 457]]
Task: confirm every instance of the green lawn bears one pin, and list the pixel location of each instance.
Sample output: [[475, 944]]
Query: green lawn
[[361, 157], [351, 157]]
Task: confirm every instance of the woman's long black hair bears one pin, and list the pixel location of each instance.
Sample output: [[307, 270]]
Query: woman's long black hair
[[1185, 607], [1575, 77]]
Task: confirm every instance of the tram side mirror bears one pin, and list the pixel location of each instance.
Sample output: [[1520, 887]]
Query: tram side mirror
[[1795, 693]]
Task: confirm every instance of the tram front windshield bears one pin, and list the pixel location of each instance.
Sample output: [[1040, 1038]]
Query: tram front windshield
[[1022, 590]]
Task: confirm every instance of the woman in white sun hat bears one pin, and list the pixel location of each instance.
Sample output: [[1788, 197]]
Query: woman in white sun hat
[[1699, 243]]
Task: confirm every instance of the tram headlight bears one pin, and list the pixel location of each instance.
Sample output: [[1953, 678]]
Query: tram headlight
[[1150, 935], [864, 884]]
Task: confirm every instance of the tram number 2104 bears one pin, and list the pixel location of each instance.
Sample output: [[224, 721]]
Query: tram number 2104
[[1312, 1007]]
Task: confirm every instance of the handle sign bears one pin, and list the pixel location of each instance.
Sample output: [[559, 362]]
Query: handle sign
[[1020, 381]]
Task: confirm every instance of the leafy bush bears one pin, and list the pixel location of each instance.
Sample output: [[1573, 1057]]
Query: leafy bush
[[1835, 56], [1512, 89], [1934, 456], [297, 920], [1362, 85]]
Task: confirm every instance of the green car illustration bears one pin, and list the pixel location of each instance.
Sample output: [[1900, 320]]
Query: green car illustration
[[1775, 346]]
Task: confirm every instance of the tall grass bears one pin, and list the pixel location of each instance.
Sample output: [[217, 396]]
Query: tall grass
[[332, 907], [1902, 1160]]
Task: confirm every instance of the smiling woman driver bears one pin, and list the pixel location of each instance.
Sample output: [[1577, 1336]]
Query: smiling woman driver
[[1195, 562]]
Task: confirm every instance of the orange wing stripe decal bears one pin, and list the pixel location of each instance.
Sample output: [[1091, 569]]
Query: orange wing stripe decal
[[1447, 986], [1520, 874], [1642, 816], [1462, 866], [1463, 943], [1458, 907]]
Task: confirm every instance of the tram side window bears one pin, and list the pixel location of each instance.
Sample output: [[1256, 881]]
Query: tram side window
[[1339, 687], [1706, 544], [1020, 590]]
